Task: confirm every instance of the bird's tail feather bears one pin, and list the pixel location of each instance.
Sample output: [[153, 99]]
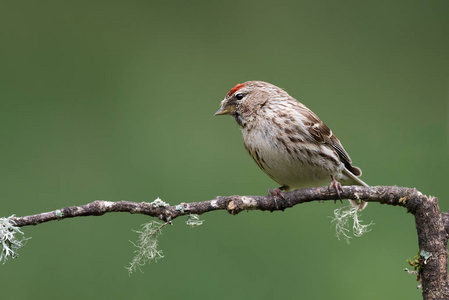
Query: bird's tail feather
[[356, 203]]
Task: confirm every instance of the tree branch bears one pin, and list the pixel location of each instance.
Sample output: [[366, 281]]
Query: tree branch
[[431, 225], [233, 204]]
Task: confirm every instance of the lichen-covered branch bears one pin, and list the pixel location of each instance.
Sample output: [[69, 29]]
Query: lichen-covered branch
[[432, 225], [406, 197]]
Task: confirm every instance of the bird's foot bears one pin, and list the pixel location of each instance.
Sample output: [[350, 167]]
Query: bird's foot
[[276, 193], [337, 187]]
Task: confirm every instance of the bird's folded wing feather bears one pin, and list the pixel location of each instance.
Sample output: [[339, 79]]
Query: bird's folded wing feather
[[323, 134]]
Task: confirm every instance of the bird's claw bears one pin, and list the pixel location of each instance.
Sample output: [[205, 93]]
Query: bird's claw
[[276, 193], [337, 187]]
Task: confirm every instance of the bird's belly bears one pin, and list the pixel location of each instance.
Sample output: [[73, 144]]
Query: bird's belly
[[294, 173], [296, 168]]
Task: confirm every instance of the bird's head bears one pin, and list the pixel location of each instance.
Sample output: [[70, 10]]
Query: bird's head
[[245, 100]]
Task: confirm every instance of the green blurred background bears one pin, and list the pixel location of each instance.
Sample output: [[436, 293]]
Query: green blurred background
[[114, 100]]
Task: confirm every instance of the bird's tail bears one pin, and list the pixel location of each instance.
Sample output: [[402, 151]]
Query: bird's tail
[[356, 203]]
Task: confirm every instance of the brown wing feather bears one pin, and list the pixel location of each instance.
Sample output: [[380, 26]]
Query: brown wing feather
[[322, 134]]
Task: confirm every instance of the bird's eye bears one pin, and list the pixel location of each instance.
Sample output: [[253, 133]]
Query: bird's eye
[[239, 96]]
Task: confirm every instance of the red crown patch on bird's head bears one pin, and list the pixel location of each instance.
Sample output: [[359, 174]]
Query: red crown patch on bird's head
[[236, 88]]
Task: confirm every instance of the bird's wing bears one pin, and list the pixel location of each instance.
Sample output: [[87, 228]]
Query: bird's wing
[[322, 134]]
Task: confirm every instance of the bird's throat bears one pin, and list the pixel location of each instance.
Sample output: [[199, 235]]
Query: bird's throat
[[239, 120]]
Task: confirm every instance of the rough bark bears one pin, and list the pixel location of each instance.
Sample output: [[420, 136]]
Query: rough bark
[[432, 226]]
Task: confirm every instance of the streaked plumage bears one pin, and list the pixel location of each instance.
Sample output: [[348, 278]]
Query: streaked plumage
[[287, 140]]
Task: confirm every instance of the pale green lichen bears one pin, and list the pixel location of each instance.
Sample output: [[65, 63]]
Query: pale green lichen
[[425, 255], [418, 262], [146, 246], [342, 217], [159, 203], [180, 208], [59, 214], [9, 243], [194, 221]]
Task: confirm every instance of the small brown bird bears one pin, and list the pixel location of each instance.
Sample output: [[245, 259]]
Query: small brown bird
[[287, 140]]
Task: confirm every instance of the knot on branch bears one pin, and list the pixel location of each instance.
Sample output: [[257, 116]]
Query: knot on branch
[[233, 206]]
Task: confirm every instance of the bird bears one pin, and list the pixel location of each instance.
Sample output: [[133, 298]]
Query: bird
[[288, 141]]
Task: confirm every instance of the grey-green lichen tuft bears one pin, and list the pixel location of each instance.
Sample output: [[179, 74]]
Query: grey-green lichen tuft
[[159, 203], [9, 243], [342, 217], [147, 244], [194, 221]]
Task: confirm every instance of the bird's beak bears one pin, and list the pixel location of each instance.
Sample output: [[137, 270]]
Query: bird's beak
[[225, 110]]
